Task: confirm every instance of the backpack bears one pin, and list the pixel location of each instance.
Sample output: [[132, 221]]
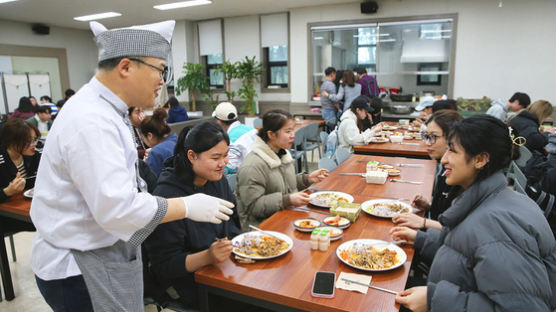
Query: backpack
[[541, 184]]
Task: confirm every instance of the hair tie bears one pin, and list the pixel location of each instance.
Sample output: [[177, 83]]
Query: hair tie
[[519, 141]]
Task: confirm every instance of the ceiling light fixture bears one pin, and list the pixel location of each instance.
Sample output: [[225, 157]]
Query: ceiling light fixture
[[182, 4], [94, 17], [6, 1]]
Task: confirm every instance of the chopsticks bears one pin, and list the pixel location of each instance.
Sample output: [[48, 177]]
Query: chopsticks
[[310, 210], [265, 232], [373, 287]]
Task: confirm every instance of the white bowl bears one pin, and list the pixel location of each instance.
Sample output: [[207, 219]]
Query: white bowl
[[396, 138]]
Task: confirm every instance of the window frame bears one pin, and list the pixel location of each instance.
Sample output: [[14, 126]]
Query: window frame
[[265, 77], [420, 82], [268, 67], [208, 67]]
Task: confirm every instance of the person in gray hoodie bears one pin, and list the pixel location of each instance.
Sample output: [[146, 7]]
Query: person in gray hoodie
[[496, 251]]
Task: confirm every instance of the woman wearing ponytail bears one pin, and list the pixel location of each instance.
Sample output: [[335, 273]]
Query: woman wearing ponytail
[[177, 249], [156, 134]]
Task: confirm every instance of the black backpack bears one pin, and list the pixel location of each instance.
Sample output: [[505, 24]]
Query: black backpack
[[541, 184]]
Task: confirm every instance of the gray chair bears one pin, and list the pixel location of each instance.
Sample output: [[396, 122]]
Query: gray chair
[[232, 180], [323, 139], [341, 155], [327, 163], [524, 155], [519, 179], [311, 134], [258, 122], [297, 151]]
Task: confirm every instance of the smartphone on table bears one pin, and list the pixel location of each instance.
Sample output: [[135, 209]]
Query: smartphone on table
[[323, 285]]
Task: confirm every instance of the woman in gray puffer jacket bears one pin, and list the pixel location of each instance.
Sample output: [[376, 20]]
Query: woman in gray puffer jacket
[[496, 251]]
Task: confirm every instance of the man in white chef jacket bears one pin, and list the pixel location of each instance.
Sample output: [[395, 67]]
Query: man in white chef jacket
[[89, 207]]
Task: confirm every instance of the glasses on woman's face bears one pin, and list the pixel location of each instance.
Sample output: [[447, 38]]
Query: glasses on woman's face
[[429, 138], [34, 141]]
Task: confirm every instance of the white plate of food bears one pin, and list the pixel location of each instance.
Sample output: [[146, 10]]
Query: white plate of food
[[379, 140], [329, 199], [393, 171], [29, 193], [337, 221], [371, 255], [389, 128], [335, 233], [385, 208], [259, 246], [306, 224]]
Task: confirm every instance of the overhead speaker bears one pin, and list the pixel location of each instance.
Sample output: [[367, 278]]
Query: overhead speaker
[[369, 7], [40, 29]]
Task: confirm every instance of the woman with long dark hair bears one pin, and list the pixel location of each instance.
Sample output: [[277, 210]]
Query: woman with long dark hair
[[177, 249], [24, 110], [348, 91], [266, 181], [496, 251]]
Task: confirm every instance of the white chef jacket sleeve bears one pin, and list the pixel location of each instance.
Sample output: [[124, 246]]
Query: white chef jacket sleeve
[[97, 167]]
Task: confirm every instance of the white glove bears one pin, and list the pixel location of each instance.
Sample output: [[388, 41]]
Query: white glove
[[204, 208]]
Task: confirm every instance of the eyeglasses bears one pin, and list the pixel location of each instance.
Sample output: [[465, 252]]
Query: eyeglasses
[[429, 137], [34, 141], [163, 72]]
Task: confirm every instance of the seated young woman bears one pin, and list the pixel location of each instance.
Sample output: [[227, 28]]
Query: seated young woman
[[352, 130], [496, 251], [266, 181], [177, 249], [156, 134], [19, 162], [527, 124], [438, 127]]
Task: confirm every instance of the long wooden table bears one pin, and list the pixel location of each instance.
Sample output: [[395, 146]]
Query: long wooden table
[[395, 149], [284, 283], [17, 207]]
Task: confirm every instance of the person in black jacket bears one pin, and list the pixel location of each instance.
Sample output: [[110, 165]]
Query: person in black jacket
[[177, 249], [18, 166], [438, 128], [527, 124]]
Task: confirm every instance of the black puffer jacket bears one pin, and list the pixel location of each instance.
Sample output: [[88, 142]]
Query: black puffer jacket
[[527, 125]]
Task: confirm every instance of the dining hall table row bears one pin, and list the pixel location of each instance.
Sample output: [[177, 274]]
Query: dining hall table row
[[285, 283], [412, 148]]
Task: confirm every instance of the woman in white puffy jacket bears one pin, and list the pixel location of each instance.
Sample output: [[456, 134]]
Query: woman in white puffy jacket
[[351, 131]]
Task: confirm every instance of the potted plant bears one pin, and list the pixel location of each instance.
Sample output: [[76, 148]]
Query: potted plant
[[194, 80], [249, 70], [230, 71]]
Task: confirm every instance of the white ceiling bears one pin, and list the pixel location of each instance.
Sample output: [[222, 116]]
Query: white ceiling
[[134, 12]]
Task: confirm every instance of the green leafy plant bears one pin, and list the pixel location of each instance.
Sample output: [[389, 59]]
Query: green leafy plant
[[249, 70], [472, 106], [194, 80], [230, 71]]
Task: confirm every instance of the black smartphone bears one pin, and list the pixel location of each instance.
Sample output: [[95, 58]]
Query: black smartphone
[[323, 284]]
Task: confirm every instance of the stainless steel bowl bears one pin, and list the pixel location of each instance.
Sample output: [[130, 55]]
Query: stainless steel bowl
[[400, 109]]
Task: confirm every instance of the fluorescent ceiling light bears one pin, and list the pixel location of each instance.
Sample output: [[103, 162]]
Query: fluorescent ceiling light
[[95, 17], [182, 4], [319, 38], [6, 1]]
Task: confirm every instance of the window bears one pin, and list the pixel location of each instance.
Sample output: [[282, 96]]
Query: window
[[210, 49], [428, 79], [212, 62], [431, 31], [410, 54], [274, 51], [276, 59], [366, 48]]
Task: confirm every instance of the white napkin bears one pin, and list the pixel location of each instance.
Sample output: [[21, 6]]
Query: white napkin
[[365, 279]]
